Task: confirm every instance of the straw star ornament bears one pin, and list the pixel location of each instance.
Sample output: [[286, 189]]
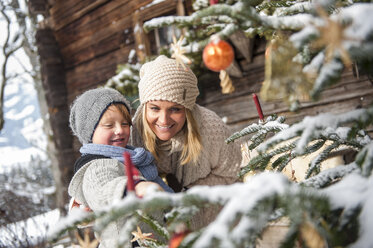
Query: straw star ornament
[[86, 242], [179, 51], [139, 235], [332, 37]]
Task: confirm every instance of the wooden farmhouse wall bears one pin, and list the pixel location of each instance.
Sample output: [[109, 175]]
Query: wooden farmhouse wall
[[81, 43]]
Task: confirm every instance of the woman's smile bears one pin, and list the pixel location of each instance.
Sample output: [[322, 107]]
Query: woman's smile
[[164, 127]]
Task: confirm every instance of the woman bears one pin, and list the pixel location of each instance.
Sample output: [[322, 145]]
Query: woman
[[187, 140]]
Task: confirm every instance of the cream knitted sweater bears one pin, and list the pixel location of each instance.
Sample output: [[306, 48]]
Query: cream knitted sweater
[[97, 184], [219, 163]]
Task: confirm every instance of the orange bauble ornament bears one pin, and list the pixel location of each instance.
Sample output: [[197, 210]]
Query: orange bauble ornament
[[218, 55], [176, 239]]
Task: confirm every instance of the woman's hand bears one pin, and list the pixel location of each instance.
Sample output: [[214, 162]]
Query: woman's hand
[[142, 187]]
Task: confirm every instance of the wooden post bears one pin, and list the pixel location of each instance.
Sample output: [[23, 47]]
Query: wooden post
[[141, 40]]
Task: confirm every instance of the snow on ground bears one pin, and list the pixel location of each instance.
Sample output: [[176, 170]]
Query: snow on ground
[[22, 136], [31, 230]]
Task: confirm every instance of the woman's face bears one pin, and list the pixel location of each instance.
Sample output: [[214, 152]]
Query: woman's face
[[113, 129], [165, 118]]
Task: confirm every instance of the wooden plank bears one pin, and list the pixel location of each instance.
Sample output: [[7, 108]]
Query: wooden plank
[[250, 83], [76, 11], [98, 44], [85, 48], [94, 72], [68, 11], [163, 8], [292, 117], [104, 48], [238, 109], [88, 25], [38, 7], [93, 40], [139, 4]]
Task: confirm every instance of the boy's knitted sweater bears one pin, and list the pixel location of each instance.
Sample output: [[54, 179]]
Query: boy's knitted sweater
[[219, 163], [101, 181], [97, 184]]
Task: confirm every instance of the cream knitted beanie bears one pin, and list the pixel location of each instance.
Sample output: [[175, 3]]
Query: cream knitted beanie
[[164, 79], [88, 108]]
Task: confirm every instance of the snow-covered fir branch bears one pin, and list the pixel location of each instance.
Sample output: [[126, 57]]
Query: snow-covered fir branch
[[324, 133], [311, 128], [365, 160], [326, 177], [271, 124], [247, 208]]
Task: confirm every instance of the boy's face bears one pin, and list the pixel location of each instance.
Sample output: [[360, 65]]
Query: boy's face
[[113, 129]]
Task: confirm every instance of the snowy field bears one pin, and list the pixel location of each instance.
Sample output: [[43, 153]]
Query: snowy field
[[31, 230], [22, 137]]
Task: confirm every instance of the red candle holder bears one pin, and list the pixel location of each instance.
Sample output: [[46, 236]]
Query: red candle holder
[[258, 107], [129, 169]]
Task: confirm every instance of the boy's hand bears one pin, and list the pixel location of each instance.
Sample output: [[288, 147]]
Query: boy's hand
[[142, 187]]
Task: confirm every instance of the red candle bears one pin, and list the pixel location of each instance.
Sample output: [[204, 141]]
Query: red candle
[[258, 107], [129, 172]]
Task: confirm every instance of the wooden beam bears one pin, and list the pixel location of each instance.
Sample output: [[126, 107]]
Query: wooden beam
[[142, 45], [68, 13], [94, 72], [38, 6]]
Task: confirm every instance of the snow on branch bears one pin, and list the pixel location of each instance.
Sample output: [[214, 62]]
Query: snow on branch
[[326, 177], [247, 208], [320, 126]]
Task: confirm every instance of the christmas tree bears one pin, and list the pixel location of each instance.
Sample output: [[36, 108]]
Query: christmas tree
[[329, 208]]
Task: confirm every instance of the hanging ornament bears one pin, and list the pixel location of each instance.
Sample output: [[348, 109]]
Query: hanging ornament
[[311, 236], [283, 76], [86, 241], [179, 235], [225, 83], [212, 2], [140, 236], [179, 51], [332, 37], [218, 55]]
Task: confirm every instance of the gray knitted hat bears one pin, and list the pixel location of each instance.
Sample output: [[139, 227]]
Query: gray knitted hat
[[87, 109], [164, 79]]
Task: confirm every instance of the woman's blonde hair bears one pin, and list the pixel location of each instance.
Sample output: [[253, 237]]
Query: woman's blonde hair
[[192, 146]]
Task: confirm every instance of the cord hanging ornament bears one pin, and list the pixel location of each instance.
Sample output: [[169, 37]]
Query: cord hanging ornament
[[225, 83]]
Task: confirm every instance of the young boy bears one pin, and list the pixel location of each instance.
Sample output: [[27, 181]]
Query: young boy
[[101, 120]]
